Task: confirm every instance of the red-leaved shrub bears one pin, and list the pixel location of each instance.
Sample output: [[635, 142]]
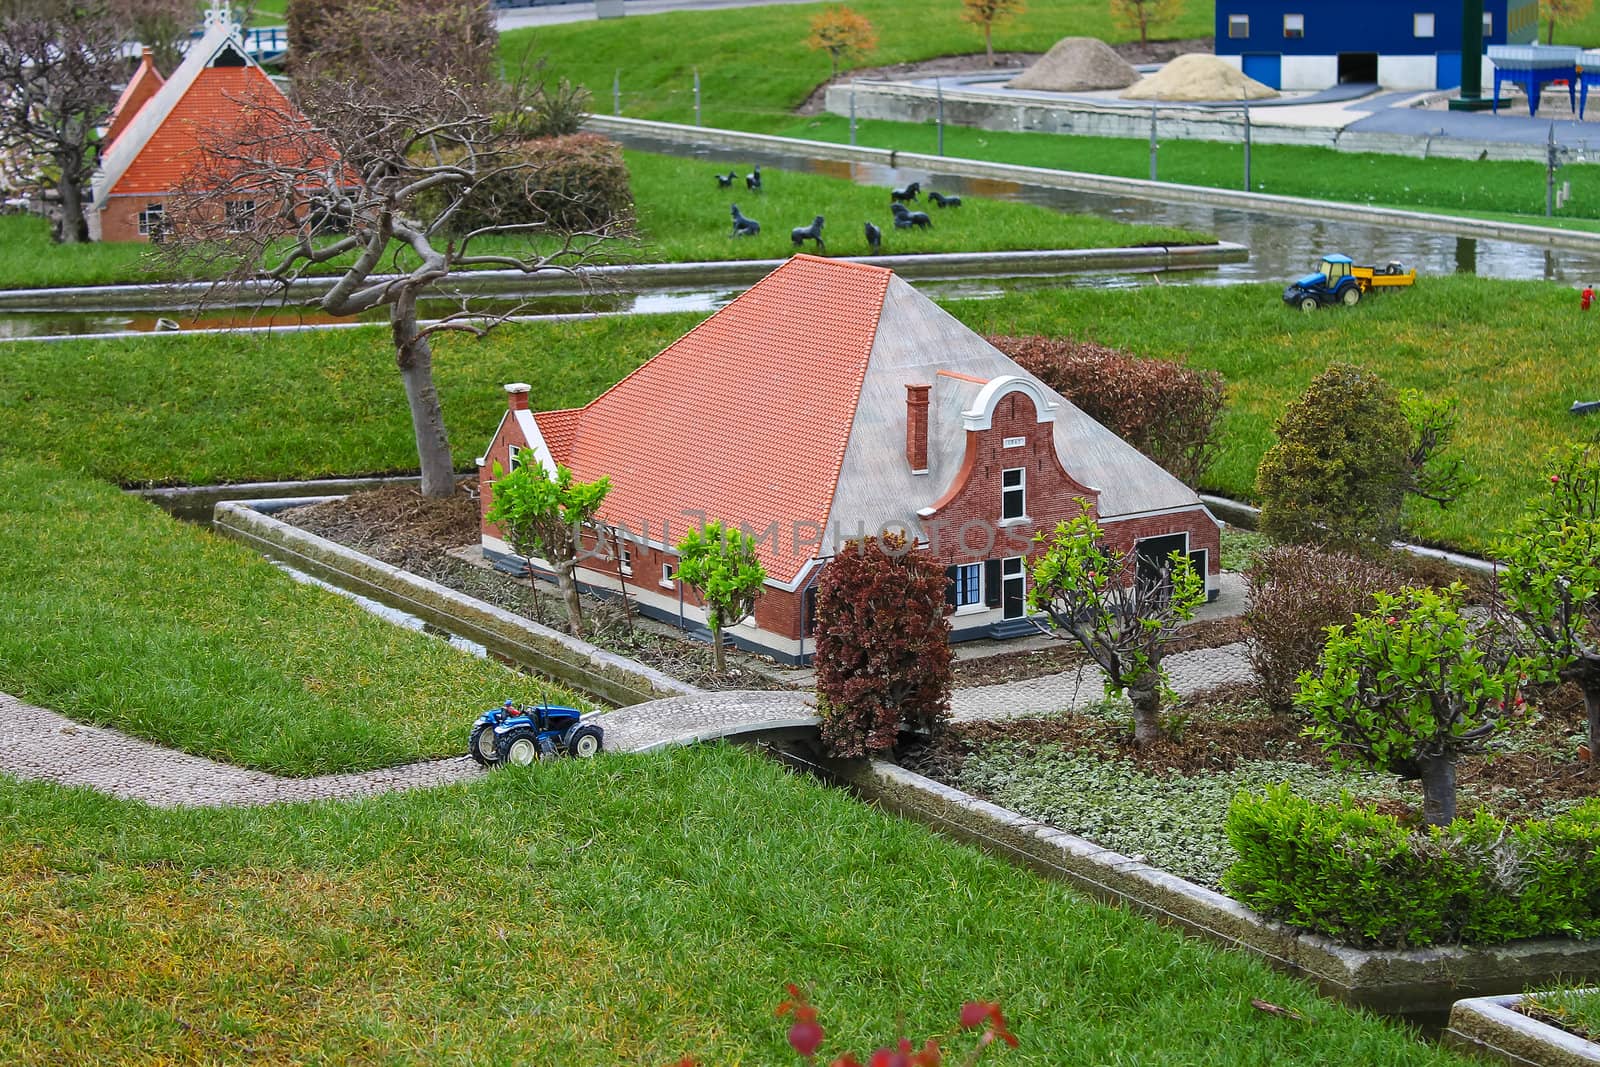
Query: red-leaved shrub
[[883, 646], [1166, 410]]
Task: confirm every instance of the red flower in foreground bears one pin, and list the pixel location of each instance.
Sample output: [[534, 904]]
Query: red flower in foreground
[[977, 1012], [805, 1036]]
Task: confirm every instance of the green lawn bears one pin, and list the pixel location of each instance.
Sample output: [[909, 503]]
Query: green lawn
[[227, 408], [621, 910], [115, 613]]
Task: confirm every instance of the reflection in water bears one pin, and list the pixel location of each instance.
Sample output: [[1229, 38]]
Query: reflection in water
[[1281, 246]]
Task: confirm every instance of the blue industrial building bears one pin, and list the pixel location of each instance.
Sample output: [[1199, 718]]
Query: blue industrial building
[[1410, 44]]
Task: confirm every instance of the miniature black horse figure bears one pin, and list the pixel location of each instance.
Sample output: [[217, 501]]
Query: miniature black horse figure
[[743, 227], [874, 239], [945, 201], [908, 193], [752, 181], [905, 218], [800, 234], [725, 181]]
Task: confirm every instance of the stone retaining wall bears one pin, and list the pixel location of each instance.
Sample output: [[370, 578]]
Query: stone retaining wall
[[613, 678], [1490, 1026]]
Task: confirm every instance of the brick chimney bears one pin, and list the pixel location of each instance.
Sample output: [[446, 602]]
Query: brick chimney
[[917, 428], [517, 396]]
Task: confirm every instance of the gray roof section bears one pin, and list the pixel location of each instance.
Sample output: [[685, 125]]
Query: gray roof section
[[916, 339]]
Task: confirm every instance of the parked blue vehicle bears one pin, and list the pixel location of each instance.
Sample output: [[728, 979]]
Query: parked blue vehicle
[[520, 736], [1334, 283]]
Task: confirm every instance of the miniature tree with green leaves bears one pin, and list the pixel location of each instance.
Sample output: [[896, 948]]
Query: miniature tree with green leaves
[[883, 646], [719, 563], [1551, 580], [1410, 688], [544, 516], [1121, 617]]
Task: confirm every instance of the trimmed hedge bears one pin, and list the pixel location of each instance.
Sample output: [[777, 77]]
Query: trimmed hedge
[[1166, 410], [1360, 876], [571, 184]]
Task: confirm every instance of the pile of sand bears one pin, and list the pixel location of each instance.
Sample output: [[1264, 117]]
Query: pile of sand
[[1198, 76], [1075, 65]]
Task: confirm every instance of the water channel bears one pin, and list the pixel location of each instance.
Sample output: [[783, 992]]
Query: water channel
[[1281, 247]]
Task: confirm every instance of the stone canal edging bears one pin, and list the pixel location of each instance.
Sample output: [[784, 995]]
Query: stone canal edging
[[1492, 1027], [613, 678]]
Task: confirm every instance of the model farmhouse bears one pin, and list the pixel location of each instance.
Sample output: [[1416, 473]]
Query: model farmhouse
[[829, 401]]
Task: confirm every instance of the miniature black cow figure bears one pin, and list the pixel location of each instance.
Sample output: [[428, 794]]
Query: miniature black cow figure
[[752, 181], [800, 234], [874, 239], [743, 227], [908, 193], [725, 181], [945, 201]]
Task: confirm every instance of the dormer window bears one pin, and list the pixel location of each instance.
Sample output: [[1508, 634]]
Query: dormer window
[[1013, 493]]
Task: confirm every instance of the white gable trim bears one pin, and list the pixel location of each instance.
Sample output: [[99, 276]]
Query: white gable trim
[[530, 433], [220, 32], [980, 416]]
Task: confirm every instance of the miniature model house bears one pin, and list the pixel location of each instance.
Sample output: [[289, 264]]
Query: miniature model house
[[829, 401], [1413, 45], [157, 128]]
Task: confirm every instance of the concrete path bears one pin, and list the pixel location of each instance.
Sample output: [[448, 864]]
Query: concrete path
[[40, 745]]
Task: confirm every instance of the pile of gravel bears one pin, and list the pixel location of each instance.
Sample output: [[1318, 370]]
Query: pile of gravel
[[1198, 76], [1077, 64]]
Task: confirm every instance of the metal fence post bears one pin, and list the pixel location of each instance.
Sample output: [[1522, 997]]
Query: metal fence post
[[616, 92], [852, 114], [1153, 145], [938, 88], [697, 96], [1247, 185]]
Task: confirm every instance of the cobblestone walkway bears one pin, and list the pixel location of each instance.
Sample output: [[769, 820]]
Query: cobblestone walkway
[[1190, 672], [41, 745], [38, 744]]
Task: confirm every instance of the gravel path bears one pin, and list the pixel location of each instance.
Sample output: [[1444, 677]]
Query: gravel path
[[38, 744]]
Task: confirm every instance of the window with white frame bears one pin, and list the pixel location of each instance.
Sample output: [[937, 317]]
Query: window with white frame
[[1488, 25], [1422, 24], [1013, 493], [1238, 26], [1294, 25], [514, 456], [152, 221], [624, 559], [240, 215], [968, 580], [669, 574]]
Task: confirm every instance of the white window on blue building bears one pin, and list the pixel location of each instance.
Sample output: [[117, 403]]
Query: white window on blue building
[[1488, 25], [1238, 26], [1422, 24], [1294, 25]]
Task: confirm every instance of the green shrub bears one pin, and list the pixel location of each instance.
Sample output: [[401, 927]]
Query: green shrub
[[1296, 592], [1166, 410], [883, 646], [1339, 470], [1359, 875], [570, 184]]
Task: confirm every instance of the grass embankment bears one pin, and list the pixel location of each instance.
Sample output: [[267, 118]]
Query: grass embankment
[[213, 408], [621, 910], [755, 70], [116, 614], [683, 217]]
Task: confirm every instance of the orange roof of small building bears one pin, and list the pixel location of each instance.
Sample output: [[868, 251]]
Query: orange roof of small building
[[213, 103], [558, 428], [144, 84], [744, 419]]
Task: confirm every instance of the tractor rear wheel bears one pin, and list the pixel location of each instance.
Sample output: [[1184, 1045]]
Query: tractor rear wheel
[[482, 745], [583, 741], [1308, 303], [1351, 296], [520, 747]]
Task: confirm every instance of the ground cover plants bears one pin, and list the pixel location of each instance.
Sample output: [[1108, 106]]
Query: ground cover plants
[[1576, 1011]]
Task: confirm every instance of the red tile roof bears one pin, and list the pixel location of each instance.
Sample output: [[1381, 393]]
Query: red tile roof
[[212, 104], [144, 84], [745, 418], [558, 429]]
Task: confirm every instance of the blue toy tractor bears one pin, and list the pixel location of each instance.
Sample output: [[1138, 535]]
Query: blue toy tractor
[[520, 736]]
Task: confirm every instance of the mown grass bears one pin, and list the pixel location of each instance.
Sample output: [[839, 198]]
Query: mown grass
[[620, 910], [683, 217], [115, 613], [224, 408]]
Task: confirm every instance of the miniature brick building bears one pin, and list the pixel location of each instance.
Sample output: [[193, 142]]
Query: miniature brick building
[[158, 127], [1412, 45], [829, 401]]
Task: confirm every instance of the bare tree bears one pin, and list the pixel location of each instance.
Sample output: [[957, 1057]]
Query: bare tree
[[363, 41], [163, 26], [61, 64], [367, 185]]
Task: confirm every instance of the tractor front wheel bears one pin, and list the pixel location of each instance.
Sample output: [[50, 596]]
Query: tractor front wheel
[[482, 745], [1351, 296], [520, 747], [1308, 303], [583, 741]]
